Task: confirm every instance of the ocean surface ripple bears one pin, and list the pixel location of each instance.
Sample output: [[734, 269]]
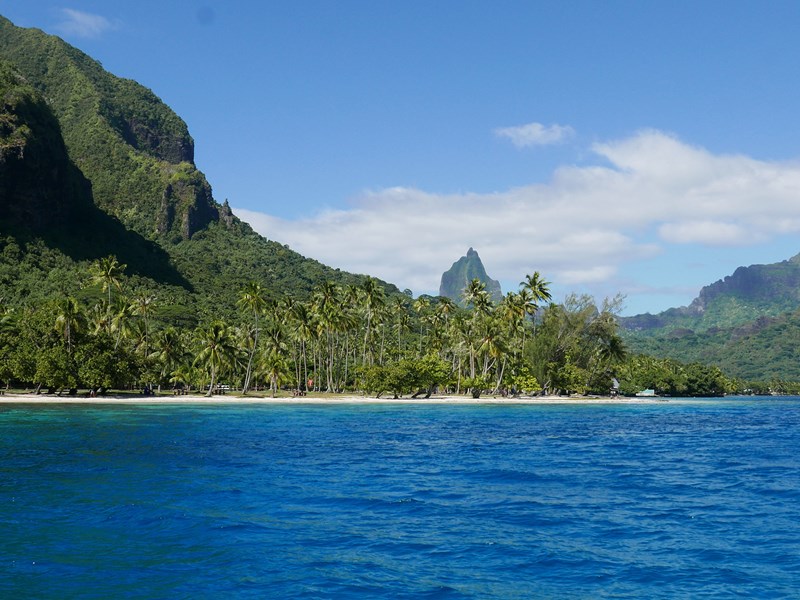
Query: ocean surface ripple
[[681, 499]]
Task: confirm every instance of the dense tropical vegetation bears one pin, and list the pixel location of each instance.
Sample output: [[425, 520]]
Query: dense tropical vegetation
[[111, 333]]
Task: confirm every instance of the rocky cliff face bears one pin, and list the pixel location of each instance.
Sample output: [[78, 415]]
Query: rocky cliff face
[[39, 185], [759, 284], [145, 125], [464, 270], [136, 152], [746, 294]]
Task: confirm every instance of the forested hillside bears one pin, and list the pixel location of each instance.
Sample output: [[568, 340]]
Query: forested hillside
[[765, 349], [748, 324], [123, 183], [745, 295]]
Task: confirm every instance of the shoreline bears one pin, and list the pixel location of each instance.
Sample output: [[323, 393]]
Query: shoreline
[[238, 400]]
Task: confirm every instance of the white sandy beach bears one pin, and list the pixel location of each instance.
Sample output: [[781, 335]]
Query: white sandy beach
[[232, 399]]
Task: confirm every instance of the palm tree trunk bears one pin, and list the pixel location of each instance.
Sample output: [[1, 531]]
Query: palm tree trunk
[[305, 363], [366, 337], [297, 365], [471, 363], [249, 371], [331, 385], [500, 377], [213, 381]]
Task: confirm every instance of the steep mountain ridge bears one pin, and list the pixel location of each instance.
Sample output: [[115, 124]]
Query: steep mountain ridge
[[748, 293], [127, 159], [44, 196], [136, 151], [747, 323]]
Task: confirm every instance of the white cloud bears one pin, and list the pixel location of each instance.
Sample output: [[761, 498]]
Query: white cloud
[[83, 24], [710, 233], [581, 228], [535, 134]]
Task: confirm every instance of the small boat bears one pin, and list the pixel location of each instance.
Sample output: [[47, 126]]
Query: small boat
[[648, 393]]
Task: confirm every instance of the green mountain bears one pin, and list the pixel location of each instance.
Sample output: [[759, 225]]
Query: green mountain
[[464, 270], [92, 165], [748, 324], [749, 293]]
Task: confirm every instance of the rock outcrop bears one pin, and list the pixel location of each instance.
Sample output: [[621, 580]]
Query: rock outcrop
[[464, 270]]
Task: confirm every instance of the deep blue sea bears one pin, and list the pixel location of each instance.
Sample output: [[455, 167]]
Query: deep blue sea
[[679, 499]]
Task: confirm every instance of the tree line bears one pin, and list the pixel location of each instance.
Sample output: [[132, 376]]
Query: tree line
[[343, 338]]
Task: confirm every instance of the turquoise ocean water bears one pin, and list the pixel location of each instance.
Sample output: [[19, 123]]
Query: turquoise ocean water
[[695, 499]]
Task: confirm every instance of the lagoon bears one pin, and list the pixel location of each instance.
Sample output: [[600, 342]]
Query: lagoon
[[695, 498]]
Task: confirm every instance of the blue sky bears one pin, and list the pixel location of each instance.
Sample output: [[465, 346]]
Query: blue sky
[[645, 148]]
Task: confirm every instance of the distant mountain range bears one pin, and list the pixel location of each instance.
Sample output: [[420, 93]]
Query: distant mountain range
[[464, 270], [92, 165], [747, 323], [749, 293]]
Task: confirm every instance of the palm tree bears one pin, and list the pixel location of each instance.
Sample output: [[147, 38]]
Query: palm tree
[[444, 311], [401, 324], [445, 307], [275, 368], [69, 320], [346, 323], [476, 297], [326, 309], [609, 348], [100, 319], [512, 310], [273, 361], [7, 320], [182, 376], [494, 348], [106, 272], [373, 299], [252, 299], [121, 322], [8, 329], [301, 321], [613, 350], [275, 338], [530, 308], [168, 351], [143, 306], [537, 286], [472, 291], [539, 291], [216, 350], [421, 306]]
